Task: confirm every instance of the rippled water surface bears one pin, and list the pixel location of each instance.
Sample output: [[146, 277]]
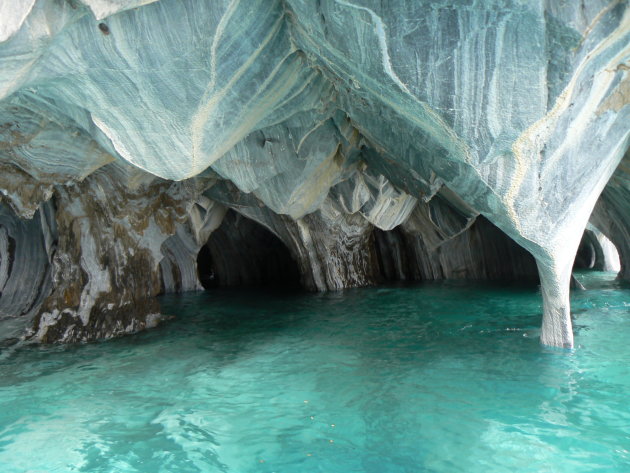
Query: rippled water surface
[[433, 378]]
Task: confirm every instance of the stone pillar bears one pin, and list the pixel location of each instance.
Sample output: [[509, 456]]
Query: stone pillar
[[555, 279], [335, 253], [105, 269]]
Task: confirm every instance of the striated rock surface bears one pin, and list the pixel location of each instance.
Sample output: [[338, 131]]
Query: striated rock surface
[[611, 213], [407, 140], [106, 261], [25, 248]]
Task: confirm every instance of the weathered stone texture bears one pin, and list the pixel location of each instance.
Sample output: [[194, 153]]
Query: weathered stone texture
[[321, 120]]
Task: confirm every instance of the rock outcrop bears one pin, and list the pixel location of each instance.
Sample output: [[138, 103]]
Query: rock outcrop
[[413, 140]]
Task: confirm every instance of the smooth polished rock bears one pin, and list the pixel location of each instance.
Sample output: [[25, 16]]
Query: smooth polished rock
[[330, 117]]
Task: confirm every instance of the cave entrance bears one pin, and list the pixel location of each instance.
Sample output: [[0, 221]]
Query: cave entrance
[[481, 252], [596, 252], [243, 253]]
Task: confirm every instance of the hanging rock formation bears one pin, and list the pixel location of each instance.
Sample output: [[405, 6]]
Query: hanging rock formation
[[413, 140]]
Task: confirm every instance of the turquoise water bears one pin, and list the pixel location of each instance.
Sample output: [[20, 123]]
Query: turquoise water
[[434, 378]]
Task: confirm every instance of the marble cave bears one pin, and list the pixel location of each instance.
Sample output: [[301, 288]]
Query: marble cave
[[154, 147]]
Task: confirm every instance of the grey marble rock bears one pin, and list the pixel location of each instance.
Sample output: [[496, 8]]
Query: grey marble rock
[[344, 127], [612, 211], [26, 247], [597, 252]]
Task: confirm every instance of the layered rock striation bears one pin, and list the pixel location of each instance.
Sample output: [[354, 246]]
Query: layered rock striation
[[408, 141]]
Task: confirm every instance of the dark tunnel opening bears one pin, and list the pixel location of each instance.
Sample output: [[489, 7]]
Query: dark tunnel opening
[[243, 253], [586, 256], [481, 253], [596, 252]]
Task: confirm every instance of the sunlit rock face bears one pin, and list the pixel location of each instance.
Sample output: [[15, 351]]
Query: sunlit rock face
[[346, 128]]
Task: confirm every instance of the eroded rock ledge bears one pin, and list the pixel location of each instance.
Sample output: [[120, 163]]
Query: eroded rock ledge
[[363, 143]]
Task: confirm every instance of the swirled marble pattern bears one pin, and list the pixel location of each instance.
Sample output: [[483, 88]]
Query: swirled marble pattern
[[134, 126]]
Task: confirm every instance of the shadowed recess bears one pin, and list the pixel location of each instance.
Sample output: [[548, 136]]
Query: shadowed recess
[[242, 252], [482, 252]]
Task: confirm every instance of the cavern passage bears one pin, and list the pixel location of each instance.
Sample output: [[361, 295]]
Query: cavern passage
[[357, 141], [242, 252]]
